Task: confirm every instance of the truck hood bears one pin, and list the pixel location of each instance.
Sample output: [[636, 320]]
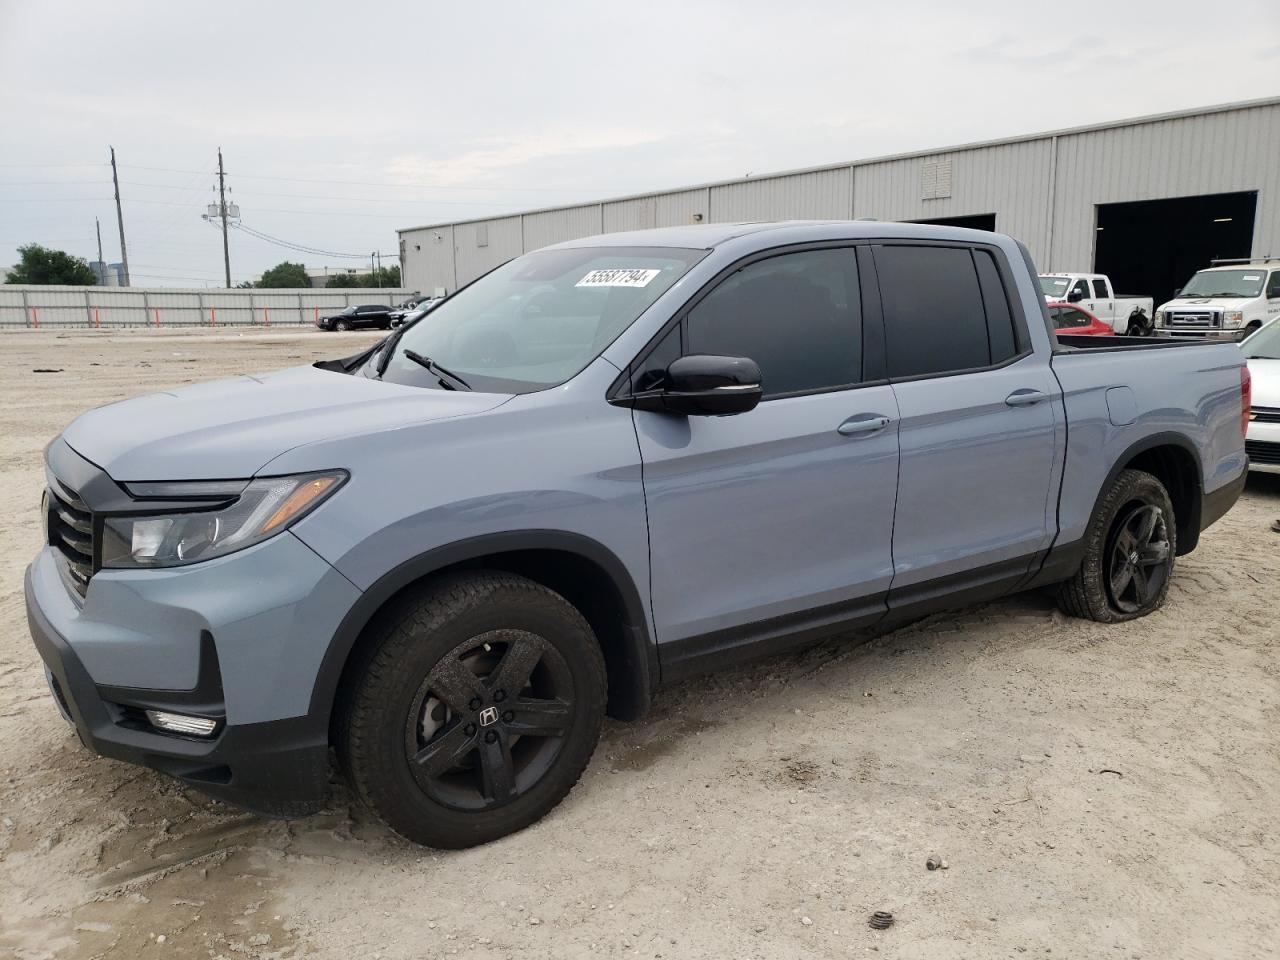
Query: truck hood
[[1266, 382], [228, 429], [1213, 303]]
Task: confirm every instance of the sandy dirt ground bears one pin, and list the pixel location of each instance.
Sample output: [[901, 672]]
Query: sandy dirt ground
[[1096, 791]]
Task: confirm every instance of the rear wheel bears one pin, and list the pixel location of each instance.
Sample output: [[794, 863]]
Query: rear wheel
[[475, 712], [1139, 326], [1129, 553]]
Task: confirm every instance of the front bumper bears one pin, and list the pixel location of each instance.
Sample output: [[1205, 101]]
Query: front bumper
[[239, 639], [1235, 335]]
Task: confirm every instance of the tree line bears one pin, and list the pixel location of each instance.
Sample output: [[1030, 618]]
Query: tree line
[[45, 266]]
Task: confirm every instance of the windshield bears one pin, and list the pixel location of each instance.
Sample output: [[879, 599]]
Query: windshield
[[538, 320], [347, 312], [1055, 287], [1224, 283], [1263, 345]]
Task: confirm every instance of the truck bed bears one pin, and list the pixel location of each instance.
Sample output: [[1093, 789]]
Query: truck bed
[[1074, 343]]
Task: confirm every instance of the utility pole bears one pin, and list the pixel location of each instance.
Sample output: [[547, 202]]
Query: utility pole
[[97, 225], [124, 253], [222, 208], [373, 279]]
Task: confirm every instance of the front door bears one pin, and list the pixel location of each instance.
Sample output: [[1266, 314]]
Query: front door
[[980, 422], [778, 521]]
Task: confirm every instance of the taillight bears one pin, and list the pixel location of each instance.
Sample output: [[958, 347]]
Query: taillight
[[1246, 397]]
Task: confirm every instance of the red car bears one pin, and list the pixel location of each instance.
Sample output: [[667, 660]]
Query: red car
[[1069, 318]]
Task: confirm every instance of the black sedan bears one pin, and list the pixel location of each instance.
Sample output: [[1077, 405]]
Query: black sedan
[[356, 318]]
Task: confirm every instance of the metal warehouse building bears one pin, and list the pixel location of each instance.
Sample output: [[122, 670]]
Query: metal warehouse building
[[1148, 200]]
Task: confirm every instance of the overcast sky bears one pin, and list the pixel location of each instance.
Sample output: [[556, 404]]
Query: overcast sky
[[340, 122]]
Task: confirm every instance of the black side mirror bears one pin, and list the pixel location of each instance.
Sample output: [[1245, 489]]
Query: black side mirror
[[706, 386], [1075, 296]]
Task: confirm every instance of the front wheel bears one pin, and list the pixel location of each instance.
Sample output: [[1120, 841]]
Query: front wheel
[[342, 326], [475, 711], [1129, 552]]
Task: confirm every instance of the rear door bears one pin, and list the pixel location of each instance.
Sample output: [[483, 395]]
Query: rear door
[[980, 414], [778, 520]]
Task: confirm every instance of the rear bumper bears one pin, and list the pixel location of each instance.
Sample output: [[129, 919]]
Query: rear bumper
[[276, 768]]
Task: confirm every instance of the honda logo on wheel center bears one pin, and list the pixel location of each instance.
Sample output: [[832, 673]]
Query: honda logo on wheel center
[[488, 715]]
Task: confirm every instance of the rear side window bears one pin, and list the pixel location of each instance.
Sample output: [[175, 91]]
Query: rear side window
[[933, 311], [798, 315], [1100, 289]]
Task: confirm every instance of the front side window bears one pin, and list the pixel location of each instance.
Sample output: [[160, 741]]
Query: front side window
[[1080, 290], [797, 315], [933, 312], [536, 321], [1273, 288]]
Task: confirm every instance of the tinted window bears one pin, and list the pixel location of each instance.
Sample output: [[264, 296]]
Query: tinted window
[[933, 316], [1081, 289], [1273, 288], [799, 316], [1100, 289], [996, 301]]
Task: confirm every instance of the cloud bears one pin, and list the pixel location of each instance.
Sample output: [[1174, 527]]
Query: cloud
[[487, 160]]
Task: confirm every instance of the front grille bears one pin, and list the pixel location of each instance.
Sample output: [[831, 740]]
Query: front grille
[[1259, 451], [1194, 318], [71, 534], [1265, 414]]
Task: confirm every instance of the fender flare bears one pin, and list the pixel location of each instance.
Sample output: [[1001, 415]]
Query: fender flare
[[641, 653], [1189, 530]]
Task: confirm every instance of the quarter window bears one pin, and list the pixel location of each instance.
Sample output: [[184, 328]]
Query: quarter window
[[934, 317], [798, 315]]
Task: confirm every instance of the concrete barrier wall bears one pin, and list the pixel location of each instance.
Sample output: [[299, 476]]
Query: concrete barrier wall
[[48, 306]]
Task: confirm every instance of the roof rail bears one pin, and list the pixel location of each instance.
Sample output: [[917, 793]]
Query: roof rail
[[1214, 263]]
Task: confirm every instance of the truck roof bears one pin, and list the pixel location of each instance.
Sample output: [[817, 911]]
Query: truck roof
[[1261, 263], [705, 236]]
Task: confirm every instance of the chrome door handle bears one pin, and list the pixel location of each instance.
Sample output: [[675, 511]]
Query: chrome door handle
[[861, 425], [1025, 397]]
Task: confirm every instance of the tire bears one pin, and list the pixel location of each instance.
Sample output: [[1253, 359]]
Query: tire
[[342, 326], [432, 689], [1139, 326], [1110, 587]]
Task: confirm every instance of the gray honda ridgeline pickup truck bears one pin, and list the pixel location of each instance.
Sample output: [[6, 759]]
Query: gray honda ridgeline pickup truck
[[602, 467]]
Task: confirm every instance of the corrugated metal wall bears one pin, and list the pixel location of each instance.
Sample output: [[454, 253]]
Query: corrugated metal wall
[[50, 306], [1043, 190]]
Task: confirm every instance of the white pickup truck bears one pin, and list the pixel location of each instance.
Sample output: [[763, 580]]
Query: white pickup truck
[[1128, 315], [1228, 301]]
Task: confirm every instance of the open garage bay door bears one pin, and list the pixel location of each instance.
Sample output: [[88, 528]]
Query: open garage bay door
[[1152, 247], [979, 221]]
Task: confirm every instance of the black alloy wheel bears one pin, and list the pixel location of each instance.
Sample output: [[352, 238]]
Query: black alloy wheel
[[1139, 558], [471, 709], [489, 720]]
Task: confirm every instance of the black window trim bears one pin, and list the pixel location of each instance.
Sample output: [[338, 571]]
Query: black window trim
[[1021, 335], [620, 394]]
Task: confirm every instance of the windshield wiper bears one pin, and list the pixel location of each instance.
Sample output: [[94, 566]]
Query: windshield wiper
[[443, 374]]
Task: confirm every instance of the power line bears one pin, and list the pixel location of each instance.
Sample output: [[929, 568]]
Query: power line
[[297, 247], [364, 183]]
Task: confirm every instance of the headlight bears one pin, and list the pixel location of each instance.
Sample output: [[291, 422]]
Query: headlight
[[1232, 318], [262, 509], [1160, 318]]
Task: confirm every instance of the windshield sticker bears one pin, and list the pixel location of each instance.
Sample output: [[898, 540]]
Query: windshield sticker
[[618, 277], [1248, 277]]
